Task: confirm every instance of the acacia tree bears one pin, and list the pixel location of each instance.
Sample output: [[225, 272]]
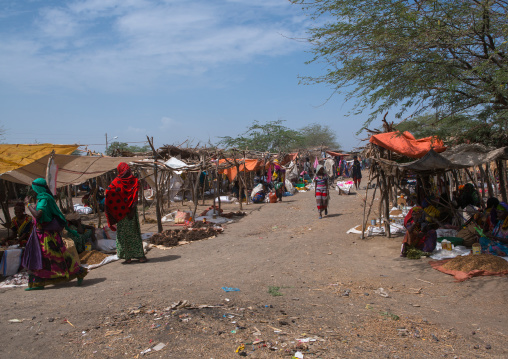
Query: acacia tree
[[315, 135], [415, 55], [272, 136]]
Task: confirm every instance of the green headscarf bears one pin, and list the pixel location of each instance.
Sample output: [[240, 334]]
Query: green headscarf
[[46, 203]]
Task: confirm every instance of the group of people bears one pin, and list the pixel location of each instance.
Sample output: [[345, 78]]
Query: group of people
[[46, 256], [492, 224]]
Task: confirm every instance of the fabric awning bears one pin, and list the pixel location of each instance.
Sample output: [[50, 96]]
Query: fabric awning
[[406, 144], [71, 169], [15, 155], [462, 156]]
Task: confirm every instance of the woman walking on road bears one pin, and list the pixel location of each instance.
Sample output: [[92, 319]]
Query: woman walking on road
[[321, 190], [46, 256], [121, 208]]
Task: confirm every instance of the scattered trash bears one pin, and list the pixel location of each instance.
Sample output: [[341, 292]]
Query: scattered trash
[[230, 289], [240, 348], [158, 347], [15, 320], [66, 321], [382, 292], [298, 355]]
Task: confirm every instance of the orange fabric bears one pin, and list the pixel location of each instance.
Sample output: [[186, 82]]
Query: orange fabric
[[250, 165], [336, 154], [406, 144], [462, 276]]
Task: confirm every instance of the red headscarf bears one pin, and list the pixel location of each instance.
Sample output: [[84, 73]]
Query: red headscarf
[[121, 195]]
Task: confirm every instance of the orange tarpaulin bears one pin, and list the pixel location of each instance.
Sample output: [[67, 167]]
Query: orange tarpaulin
[[406, 144], [250, 165], [336, 154]]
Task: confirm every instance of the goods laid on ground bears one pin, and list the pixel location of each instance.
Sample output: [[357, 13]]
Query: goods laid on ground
[[171, 237], [92, 257], [486, 262]]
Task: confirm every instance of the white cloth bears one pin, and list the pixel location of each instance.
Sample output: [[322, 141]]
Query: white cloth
[[256, 189]]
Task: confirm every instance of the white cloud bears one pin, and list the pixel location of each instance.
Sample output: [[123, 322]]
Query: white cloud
[[117, 45]]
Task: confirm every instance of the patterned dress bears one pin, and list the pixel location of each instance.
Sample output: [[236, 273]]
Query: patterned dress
[[128, 238], [321, 183], [58, 265]]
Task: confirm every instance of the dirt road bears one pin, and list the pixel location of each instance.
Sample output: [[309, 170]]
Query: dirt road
[[305, 287]]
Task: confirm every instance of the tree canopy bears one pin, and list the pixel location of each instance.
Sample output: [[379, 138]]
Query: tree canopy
[[315, 135], [414, 55], [273, 136], [123, 146]]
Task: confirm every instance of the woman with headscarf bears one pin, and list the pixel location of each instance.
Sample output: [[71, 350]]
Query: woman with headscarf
[[121, 210], [321, 190], [21, 226], [46, 256], [418, 233], [497, 243]]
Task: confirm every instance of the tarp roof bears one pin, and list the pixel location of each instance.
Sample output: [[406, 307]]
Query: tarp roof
[[336, 154], [462, 156], [71, 169], [406, 144], [16, 156]]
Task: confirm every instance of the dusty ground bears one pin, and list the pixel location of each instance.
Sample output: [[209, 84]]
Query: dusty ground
[[326, 283]]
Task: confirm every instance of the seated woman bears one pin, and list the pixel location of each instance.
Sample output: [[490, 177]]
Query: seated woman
[[497, 242], [258, 194], [419, 235], [21, 225]]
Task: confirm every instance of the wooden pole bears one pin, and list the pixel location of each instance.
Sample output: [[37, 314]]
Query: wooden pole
[[486, 175], [365, 206], [157, 192], [502, 180], [143, 200]]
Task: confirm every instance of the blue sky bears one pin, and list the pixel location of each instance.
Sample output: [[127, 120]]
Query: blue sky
[[175, 70]]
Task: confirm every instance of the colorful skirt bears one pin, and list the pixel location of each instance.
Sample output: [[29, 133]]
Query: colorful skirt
[[321, 198], [128, 238], [58, 265]]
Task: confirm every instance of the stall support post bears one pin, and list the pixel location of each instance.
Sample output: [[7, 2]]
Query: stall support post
[[502, 179], [143, 204], [157, 192]]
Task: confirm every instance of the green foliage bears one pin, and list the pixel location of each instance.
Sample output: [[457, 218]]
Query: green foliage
[[448, 129], [274, 291], [275, 137], [456, 129], [271, 136], [315, 135], [123, 146], [414, 55]]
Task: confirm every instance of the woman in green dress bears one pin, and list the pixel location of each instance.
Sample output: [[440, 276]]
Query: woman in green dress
[[121, 210]]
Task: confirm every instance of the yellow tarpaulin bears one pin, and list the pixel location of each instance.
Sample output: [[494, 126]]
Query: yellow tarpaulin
[[15, 156]]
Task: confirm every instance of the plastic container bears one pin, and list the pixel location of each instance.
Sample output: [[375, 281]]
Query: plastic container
[[273, 197], [373, 222], [456, 241], [446, 245], [477, 248]]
